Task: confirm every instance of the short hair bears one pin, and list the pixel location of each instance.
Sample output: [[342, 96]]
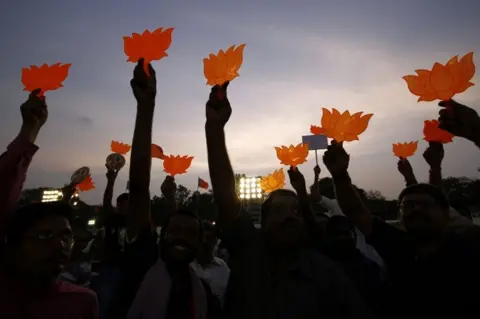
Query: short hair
[[183, 212], [266, 205], [431, 190], [122, 197], [27, 216]]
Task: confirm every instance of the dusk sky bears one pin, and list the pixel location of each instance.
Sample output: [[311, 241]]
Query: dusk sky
[[300, 56]]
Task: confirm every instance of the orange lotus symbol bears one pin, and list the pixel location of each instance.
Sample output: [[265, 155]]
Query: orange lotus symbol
[[273, 181], [224, 66], [443, 81], [86, 185], [174, 165], [157, 152], [404, 150], [433, 133], [120, 148], [151, 46], [292, 155], [342, 127], [46, 78]]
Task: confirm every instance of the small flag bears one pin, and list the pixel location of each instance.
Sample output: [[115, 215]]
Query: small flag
[[202, 184]]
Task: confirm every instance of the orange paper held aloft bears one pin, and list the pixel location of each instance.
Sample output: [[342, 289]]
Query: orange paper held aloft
[[443, 81], [157, 152], [432, 133], [273, 181], [224, 66], [151, 46], [45, 77], [404, 150], [174, 165], [292, 155], [342, 127], [120, 148], [86, 185]]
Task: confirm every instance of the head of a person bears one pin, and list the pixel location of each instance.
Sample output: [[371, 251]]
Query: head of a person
[[281, 219], [209, 238], [340, 234], [424, 211], [181, 237], [82, 238], [39, 240], [122, 204]]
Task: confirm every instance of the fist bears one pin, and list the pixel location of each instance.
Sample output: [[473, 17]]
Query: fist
[[460, 120], [218, 109], [34, 111], [144, 86], [169, 187], [336, 159]]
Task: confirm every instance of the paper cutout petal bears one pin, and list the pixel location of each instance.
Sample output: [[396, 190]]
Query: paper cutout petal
[[151, 46], [224, 66], [342, 126], [157, 152], [404, 150], [45, 77], [86, 185], [433, 133], [120, 148], [443, 81], [174, 165], [273, 181], [292, 155]]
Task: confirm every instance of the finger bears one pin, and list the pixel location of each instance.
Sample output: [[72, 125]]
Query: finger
[[152, 70], [34, 93]]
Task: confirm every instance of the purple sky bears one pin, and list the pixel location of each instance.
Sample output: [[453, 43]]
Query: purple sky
[[300, 56]]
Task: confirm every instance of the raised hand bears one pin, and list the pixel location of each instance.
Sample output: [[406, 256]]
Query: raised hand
[[34, 115], [297, 180], [169, 187], [218, 109], [336, 159], [144, 87], [111, 173], [317, 171], [460, 120], [434, 154], [404, 167]]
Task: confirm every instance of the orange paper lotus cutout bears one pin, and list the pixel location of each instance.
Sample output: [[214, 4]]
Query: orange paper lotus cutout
[[174, 165], [443, 81], [432, 133], [273, 181], [151, 46], [45, 77], [292, 155], [404, 150], [342, 127], [120, 148], [157, 152], [224, 66], [86, 185]]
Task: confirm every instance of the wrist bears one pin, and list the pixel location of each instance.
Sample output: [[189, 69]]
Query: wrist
[[29, 133], [341, 176], [213, 127]]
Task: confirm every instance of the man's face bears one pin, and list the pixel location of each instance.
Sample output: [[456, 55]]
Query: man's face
[[341, 238], [422, 217], [122, 207], [284, 223], [182, 239], [209, 241], [46, 247]]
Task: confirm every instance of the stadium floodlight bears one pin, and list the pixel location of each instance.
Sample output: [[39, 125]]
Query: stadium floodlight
[[92, 222], [51, 195], [250, 188]]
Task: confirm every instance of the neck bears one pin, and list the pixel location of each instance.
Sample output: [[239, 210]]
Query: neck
[[178, 270]]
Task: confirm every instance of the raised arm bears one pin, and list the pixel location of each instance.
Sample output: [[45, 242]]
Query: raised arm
[[405, 168], [460, 120], [144, 89], [108, 194], [218, 111], [337, 160], [15, 161], [433, 155]]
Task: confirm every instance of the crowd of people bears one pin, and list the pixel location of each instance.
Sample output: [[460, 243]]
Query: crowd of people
[[343, 262]]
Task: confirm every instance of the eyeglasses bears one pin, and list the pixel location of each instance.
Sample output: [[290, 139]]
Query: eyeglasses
[[66, 239], [407, 206]]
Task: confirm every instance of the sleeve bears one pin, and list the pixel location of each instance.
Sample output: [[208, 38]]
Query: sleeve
[[332, 205], [14, 164]]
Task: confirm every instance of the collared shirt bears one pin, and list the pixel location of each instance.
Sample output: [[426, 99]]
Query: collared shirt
[[314, 287], [215, 274]]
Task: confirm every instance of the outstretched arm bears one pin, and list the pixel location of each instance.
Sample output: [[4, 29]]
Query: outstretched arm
[[144, 89]]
